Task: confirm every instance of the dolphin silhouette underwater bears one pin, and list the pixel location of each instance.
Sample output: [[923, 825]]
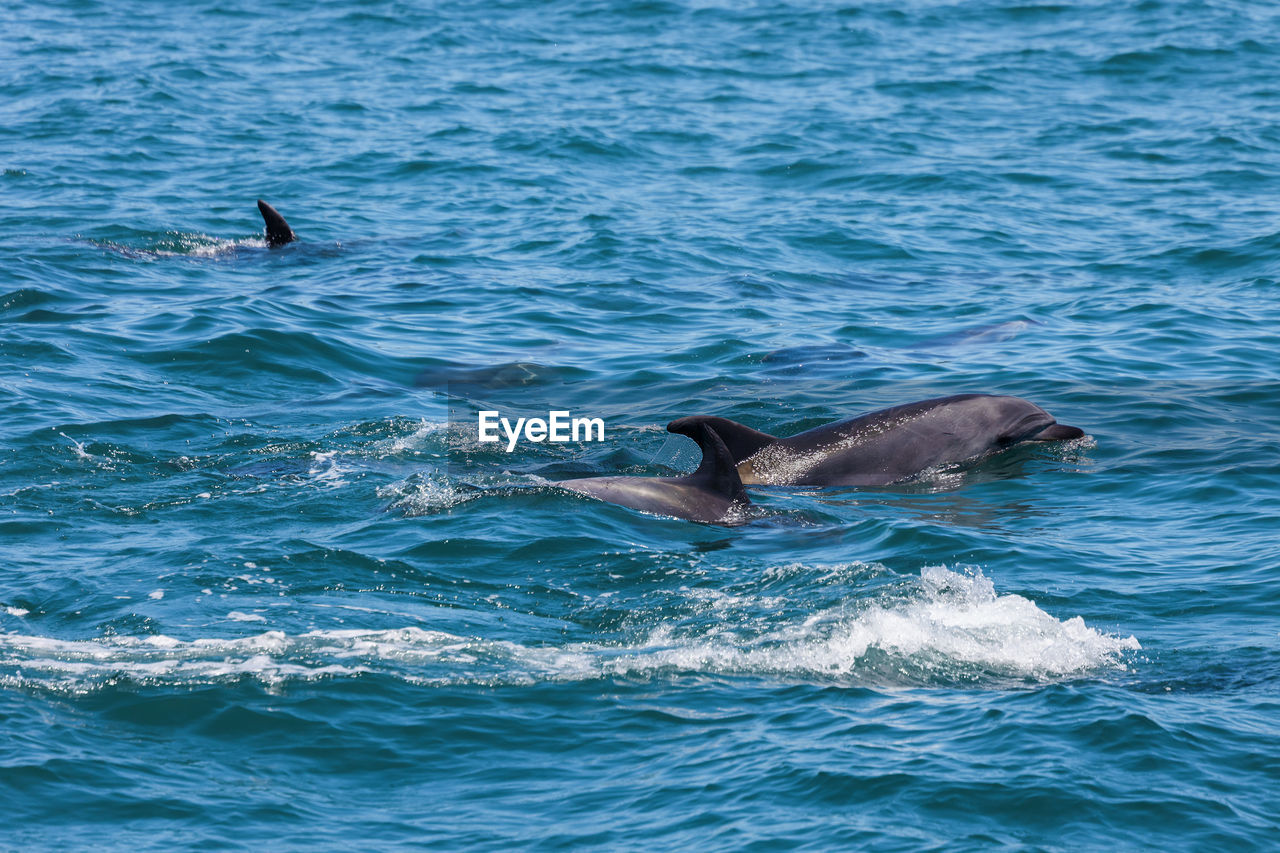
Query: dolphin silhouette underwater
[[712, 494], [886, 446], [278, 231]]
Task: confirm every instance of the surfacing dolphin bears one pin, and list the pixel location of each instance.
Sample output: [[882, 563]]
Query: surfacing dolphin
[[883, 447], [713, 494], [278, 231]]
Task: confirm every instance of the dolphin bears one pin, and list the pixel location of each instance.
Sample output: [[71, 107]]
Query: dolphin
[[278, 231], [713, 494], [883, 447]]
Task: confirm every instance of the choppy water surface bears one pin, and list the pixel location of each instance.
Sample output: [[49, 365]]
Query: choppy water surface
[[261, 586]]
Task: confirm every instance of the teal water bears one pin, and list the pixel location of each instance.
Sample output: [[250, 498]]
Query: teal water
[[260, 586]]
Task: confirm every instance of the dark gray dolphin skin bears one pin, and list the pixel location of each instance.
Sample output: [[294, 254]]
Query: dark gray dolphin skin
[[278, 231], [713, 494], [886, 446]]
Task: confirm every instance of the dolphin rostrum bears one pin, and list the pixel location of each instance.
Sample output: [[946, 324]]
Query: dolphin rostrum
[[713, 494], [886, 446]]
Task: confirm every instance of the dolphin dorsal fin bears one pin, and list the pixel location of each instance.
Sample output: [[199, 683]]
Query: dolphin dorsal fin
[[717, 472], [278, 231], [742, 441]]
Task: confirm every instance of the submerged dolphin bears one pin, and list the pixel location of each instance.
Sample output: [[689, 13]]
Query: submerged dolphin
[[886, 446], [278, 231], [713, 494]]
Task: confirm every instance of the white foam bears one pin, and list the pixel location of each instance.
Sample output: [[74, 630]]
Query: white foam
[[238, 616], [181, 244], [421, 495], [333, 468], [425, 436], [81, 664], [79, 446], [956, 627], [946, 626], [329, 470]]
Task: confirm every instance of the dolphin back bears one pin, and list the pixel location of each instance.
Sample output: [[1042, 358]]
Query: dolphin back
[[713, 494], [895, 444]]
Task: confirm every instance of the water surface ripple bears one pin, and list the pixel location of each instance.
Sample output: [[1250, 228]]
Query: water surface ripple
[[260, 587]]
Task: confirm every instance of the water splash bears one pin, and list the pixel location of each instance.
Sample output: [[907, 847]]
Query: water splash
[[948, 628]]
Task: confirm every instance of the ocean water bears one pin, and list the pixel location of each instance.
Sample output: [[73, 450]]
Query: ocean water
[[262, 588]]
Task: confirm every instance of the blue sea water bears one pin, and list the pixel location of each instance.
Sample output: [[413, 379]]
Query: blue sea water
[[262, 588]]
